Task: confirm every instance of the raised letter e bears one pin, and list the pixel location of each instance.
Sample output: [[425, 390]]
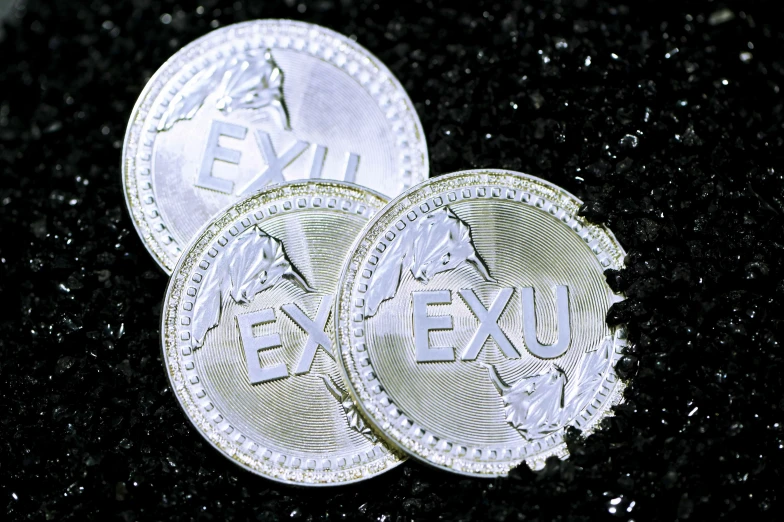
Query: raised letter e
[[423, 323]]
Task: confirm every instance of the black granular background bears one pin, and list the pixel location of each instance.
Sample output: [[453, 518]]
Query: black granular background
[[666, 118]]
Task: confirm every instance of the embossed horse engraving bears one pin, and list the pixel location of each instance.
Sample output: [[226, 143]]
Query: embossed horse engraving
[[539, 405], [437, 243], [349, 407], [254, 262], [250, 82]]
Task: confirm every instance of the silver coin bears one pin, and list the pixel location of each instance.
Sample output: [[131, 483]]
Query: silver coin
[[249, 341], [472, 326], [258, 103]]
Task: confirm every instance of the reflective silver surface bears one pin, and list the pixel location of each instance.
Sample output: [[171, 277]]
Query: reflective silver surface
[[471, 321], [258, 103], [249, 340]]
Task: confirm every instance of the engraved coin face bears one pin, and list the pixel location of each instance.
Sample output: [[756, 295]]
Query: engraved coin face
[[259, 103], [471, 321], [249, 340]]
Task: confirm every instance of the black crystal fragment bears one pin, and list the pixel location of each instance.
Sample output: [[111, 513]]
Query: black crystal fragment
[[665, 119]]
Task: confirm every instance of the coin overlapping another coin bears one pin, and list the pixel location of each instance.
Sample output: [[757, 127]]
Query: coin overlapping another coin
[[259, 103], [317, 334], [248, 336], [472, 321]]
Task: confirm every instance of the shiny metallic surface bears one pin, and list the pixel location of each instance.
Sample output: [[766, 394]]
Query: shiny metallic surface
[[258, 103], [471, 321], [248, 336]]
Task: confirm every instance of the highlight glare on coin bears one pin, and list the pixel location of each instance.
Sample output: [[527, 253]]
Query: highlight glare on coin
[[471, 323], [249, 341], [259, 103]]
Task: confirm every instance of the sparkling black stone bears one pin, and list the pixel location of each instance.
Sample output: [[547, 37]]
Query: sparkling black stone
[[665, 118]]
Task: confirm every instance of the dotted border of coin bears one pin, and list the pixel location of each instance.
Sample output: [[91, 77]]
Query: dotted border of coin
[[323, 43], [357, 367], [178, 353]]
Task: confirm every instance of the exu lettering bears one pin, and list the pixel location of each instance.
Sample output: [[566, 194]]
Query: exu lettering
[[275, 164], [488, 325], [252, 345]]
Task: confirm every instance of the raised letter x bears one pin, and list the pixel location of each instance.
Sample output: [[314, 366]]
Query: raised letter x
[[488, 324], [315, 330], [275, 165]]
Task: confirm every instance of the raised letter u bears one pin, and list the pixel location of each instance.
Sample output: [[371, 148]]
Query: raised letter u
[[529, 324]]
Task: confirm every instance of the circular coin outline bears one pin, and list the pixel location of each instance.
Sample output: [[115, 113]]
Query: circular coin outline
[[137, 187], [173, 353], [511, 185]]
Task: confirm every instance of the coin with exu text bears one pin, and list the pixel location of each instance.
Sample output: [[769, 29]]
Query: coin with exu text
[[260, 103], [471, 322], [249, 341]]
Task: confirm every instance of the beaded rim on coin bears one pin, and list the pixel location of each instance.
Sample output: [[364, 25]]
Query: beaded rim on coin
[[376, 407], [337, 49], [230, 443]]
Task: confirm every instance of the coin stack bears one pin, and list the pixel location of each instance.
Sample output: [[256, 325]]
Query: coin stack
[[316, 332]]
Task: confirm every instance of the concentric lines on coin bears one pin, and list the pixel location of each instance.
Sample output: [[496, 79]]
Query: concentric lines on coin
[[180, 343], [354, 297], [368, 72]]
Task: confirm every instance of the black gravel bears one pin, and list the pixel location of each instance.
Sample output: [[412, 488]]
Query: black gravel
[[665, 118]]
